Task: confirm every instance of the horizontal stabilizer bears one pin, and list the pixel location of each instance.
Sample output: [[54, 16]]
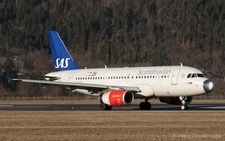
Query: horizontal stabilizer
[[9, 79], [51, 78]]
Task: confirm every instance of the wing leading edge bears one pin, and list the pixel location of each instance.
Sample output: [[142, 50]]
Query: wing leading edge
[[91, 87]]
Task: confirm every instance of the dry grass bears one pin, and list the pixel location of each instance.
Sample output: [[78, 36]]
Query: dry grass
[[97, 125], [110, 125]]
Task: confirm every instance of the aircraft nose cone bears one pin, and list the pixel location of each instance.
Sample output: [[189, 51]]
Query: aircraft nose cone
[[208, 85]]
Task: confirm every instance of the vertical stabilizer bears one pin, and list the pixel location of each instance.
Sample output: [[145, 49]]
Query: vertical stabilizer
[[61, 57]]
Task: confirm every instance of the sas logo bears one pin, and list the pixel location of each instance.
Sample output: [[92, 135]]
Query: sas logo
[[62, 63]]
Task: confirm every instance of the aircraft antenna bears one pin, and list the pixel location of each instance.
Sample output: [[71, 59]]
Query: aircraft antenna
[[181, 64]]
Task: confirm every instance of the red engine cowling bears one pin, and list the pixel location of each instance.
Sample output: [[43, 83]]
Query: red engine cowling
[[117, 97], [174, 100]]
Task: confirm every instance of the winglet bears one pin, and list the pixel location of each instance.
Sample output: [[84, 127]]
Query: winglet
[[9, 79], [61, 57]]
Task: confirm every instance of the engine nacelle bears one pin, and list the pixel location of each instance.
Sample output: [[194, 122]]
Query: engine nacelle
[[175, 100], [117, 97]]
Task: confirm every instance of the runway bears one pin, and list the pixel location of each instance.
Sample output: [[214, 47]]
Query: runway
[[96, 107]]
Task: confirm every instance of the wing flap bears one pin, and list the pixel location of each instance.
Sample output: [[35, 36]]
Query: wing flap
[[128, 88]]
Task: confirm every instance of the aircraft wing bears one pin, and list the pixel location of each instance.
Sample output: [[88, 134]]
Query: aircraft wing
[[91, 87]]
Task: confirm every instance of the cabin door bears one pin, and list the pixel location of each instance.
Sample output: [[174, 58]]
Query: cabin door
[[71, 76], [174, 78], [128, 78]]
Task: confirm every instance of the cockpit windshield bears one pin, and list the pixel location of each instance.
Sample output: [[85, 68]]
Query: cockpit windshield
[[193, 75]]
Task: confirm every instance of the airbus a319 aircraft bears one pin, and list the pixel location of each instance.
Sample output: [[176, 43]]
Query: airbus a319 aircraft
[[120, 86]]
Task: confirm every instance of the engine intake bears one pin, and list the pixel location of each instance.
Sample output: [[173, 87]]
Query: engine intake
[[117, 97]]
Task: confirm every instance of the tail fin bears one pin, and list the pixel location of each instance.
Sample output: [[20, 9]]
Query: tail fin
[[61, 57]]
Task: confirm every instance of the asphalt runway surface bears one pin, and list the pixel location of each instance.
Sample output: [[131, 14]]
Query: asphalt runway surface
[[96, 107]]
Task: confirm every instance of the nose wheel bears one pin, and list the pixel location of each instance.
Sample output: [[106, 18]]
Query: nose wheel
[[184, 107], [183, 102]]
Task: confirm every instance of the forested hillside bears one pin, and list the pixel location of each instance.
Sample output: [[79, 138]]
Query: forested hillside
[[113, 33]]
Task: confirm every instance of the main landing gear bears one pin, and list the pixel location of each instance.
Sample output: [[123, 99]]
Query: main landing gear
[[145, 105], [104, 106], [183, 102]]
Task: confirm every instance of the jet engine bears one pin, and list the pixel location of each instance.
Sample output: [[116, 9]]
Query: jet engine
[[117, 97], [175, 100]]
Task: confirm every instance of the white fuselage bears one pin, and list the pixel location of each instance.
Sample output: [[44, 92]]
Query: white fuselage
[[165, 81]]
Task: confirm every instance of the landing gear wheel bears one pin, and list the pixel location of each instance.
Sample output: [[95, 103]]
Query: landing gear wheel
[[148, 105], [183, 102], [145, 106], [105, 107], [109, 107], [142, 106], [184, 107]]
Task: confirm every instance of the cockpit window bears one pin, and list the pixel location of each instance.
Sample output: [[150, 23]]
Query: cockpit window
[[200, 75], [194, 75], [189, 76]]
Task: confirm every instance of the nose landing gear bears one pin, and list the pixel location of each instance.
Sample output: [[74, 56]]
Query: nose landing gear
[[184, 105]]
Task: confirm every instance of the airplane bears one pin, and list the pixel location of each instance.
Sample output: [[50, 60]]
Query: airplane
[[120, 86]]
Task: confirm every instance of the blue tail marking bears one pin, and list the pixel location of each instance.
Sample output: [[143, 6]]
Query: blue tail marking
[[61, 57]]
